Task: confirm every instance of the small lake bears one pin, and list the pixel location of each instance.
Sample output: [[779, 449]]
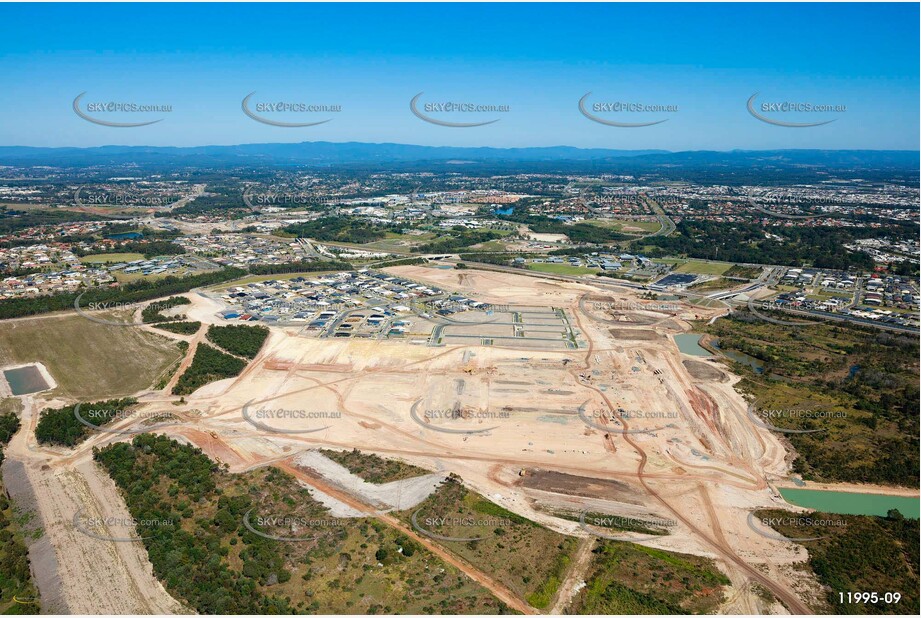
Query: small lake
[[25, 380], [847, 503], [125, 236], [741, 357], [689, 343]]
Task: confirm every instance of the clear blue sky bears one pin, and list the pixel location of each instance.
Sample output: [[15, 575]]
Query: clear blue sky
[[538, 59]]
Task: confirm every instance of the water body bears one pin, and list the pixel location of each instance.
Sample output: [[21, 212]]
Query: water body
[[505, 211], [125, 236], [741, 357], [25, 380], [847, 503], [689, 343]]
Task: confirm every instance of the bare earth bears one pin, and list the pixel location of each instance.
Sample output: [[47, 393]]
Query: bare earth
[[535, 432], [81, 562]]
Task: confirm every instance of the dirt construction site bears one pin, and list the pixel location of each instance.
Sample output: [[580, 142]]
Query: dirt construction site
[[618, 421]]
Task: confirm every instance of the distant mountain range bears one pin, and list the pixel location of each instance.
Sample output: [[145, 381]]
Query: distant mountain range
[[404, 156], [318, 153]]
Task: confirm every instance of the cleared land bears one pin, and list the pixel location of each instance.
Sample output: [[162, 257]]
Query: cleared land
[[88, 360], [619, 425]]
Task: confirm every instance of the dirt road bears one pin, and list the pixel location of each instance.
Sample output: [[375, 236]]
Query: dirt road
[[93, 575], [498, 590]]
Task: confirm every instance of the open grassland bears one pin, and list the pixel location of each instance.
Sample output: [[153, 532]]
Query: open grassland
[[744, 272], [337, 566], [625, 578], [562, 269], [720, 283], [88, 360], [528, 558], [857, 387], [399, 243], [628, 226], [10, 405], [698, 267], [110, 258]]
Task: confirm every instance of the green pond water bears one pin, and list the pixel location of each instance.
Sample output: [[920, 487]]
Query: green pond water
[[689, 343], [741, 357], [25, 380], [848, 503]]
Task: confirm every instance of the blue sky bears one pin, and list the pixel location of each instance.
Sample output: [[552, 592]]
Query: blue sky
[[537, 59]]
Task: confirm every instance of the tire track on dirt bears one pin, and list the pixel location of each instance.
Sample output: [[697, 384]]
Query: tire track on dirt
[[719, 544]]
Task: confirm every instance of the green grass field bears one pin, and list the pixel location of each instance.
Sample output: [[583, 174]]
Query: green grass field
[[627, 226], [671, 261], [88, 360], [562, 269], [397, 242], [703, 268], [828, 295], [110, 258]]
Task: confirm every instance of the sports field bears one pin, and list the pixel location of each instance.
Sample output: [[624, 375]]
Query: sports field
[[110, 258]]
